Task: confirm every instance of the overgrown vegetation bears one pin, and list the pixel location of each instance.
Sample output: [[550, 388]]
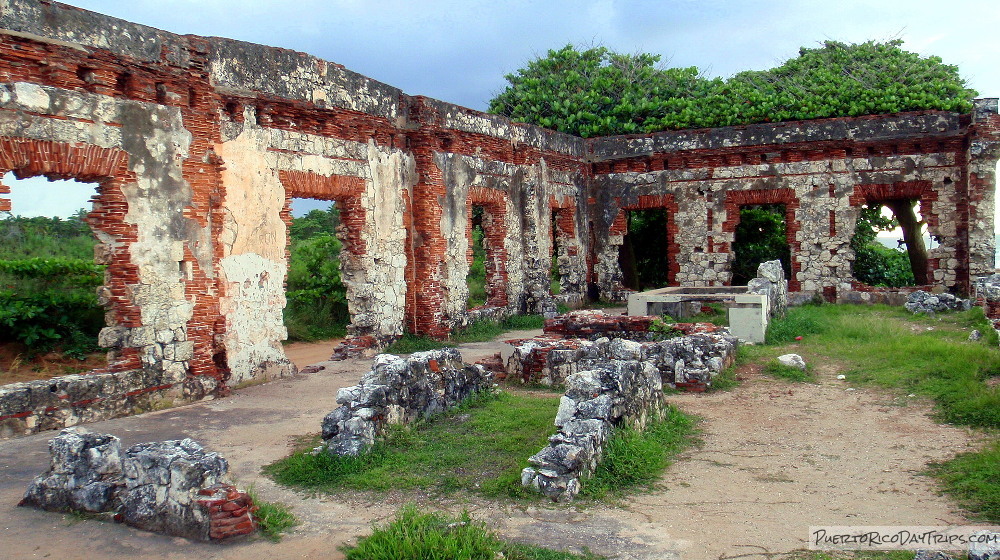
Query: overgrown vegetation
[[317, 299], [635, 459], [595, 91], [273, 519], [643, 256], [481, 447], [413, 535], [476, 280], [47, 285]]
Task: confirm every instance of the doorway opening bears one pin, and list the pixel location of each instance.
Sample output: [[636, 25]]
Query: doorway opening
[[890, 244], [316, 299], [760, 236], [643, 256]]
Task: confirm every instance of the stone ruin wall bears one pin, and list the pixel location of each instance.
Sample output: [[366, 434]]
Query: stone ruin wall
[[198, 145], [822, 171]]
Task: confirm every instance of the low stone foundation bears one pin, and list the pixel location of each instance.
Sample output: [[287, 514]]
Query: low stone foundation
[[609, 383], [398, 391], [583, 340], [51, 404], [173, 487], [618, 393]]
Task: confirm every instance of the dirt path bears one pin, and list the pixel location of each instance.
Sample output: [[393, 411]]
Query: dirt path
[[776, 458], [304, 354]]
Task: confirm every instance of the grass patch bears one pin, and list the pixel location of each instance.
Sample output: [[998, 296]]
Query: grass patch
[[775, 368], [636, 459], [889, 347], [974, 480], [273, 519], [432, 536], [716, 313], [410, 343], [487, 329], [481, 447]]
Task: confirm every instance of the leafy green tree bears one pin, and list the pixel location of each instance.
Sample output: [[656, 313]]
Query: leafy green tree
[[874, 263], [596, 91]]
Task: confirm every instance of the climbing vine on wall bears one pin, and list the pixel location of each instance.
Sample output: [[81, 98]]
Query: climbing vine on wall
[[596, 91]]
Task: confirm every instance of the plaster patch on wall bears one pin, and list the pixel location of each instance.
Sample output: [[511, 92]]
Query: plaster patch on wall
[[252, 307], [253, 263]]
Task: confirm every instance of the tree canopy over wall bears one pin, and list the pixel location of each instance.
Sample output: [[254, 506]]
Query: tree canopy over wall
[[596, 91]]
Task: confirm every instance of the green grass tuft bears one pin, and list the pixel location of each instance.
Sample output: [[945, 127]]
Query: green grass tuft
[[273, 519], [974, 480], [413, 535], [481, 447], [410, 343], [777, 369], [636, 459]]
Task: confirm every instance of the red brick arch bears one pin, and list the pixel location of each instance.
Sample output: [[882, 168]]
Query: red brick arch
[[648, 202], [343, 189], [922, 191]]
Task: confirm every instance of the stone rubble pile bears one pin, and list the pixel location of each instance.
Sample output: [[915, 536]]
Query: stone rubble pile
[[398, 391], [173, 487], [613, 383], [926, 302], [689, 361], [594, 324], [623, 391]]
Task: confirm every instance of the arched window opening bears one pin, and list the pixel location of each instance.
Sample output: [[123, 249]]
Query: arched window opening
[[890, 244]]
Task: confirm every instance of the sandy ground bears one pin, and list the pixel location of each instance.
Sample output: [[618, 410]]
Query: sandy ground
[[776, 458]]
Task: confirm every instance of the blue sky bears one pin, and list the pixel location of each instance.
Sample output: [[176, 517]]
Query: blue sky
[[459, 50]]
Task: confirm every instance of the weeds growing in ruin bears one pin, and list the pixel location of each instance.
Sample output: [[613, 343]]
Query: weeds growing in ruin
[[273, 519], [636, 459], [431, 536], [480, 446]]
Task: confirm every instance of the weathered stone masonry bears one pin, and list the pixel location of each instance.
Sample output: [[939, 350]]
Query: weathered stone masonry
[[198, 144]]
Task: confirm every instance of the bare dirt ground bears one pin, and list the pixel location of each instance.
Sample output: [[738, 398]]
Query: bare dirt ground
[[776, 458]]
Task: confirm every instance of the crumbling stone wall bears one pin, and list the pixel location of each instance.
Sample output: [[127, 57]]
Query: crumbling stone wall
[[612, 384], [822, 171], [399, 391], [173, 487], [198, 145], [584, 340]]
